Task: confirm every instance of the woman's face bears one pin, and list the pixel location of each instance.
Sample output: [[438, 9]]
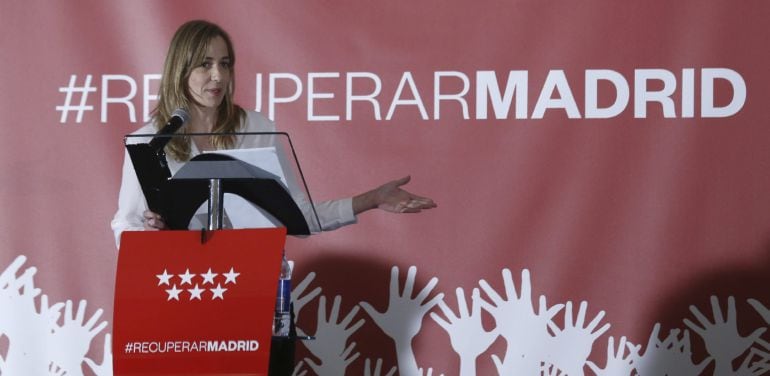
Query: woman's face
[[209, 81]]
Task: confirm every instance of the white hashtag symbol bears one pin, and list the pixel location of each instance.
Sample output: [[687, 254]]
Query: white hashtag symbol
[[71, 88], [129, 348]]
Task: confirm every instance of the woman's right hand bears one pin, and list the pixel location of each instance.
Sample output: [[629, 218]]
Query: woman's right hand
[[153, 221]]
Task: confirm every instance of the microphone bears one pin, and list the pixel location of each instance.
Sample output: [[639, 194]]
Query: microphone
[[178, 118]]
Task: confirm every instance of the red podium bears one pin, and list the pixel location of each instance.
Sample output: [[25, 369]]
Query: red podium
[[202, 302], [184, 307]]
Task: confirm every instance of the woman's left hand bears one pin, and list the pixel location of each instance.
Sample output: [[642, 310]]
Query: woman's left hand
[[392, 198]]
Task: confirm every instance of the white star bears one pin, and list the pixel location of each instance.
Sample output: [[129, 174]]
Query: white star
[[195, 292], [230, 276], [218, 292], [209, 277], [173, 293], [164, 278], [186, 277]]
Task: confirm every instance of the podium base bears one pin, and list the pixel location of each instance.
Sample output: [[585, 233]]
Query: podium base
[[282, 356]]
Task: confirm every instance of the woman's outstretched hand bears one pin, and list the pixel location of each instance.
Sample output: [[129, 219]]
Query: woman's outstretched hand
[[392, 198]]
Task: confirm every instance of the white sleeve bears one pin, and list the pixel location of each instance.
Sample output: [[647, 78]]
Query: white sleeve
[[334, 214], [131, 203]]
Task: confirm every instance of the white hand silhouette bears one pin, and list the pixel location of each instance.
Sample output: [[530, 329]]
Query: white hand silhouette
[[551, 370], [754, 368], [668, 357], [32, 333], [47, 313], [618, 364], [761, 309], [429, 372], [572, 345], [334, 366], [466, 333], [651, 362], [54, 370], [721, 337], [299, 300], [22, 324], [525, 331], [377, 371], [682, 359], [331, 337], [765, 313], [17, 297], [298, 369], [104, 369], [74, 337], [403, 318], [8, 276]]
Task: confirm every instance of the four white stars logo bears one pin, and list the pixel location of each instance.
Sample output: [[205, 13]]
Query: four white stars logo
[[195, 289]]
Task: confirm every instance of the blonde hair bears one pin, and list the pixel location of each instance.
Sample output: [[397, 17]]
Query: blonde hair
[[187, 51]]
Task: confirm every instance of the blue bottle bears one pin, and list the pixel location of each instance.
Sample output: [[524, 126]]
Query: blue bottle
[[282, 317]]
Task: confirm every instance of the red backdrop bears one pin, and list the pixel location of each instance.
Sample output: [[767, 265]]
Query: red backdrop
[[641, 216]]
